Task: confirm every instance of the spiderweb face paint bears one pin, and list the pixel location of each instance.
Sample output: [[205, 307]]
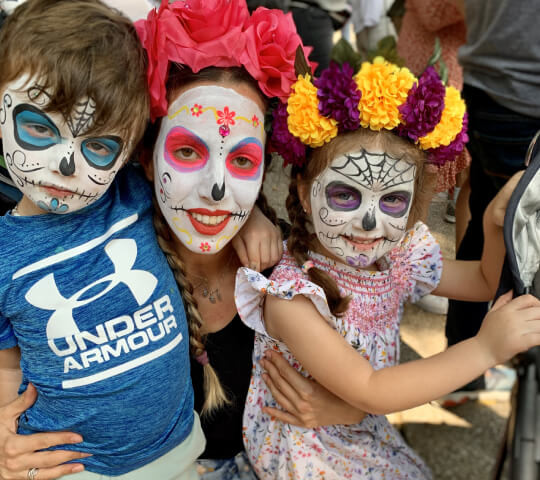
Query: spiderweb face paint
[[208, 165], [360, 205], [49, 156]]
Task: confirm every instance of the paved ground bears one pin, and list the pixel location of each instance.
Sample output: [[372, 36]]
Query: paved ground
[[459, 443]]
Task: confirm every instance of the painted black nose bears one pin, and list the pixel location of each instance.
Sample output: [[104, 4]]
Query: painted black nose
[[369, 222], [218, 192], [66, 167]]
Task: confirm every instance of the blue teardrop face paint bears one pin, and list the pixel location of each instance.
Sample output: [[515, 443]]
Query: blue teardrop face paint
[[53, 158], [360, 205]]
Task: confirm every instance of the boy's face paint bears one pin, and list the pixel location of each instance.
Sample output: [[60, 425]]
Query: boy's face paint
[[360, 205], [208, 165], [9, 5], [50, 158]]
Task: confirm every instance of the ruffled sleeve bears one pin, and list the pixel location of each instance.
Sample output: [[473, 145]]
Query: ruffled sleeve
[[252, 287], [418, 262]]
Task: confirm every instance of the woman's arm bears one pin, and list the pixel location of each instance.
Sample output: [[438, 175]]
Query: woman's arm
[[478, 280], [10, 374], [303, 401], [511, 327], [19, 453]]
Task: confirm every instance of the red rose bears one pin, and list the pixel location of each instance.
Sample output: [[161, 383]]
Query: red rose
[[270, 51]]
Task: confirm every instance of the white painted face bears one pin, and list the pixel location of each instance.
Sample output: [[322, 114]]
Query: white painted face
[[9, 5], [50, 158], [360, 205], [208, 165]]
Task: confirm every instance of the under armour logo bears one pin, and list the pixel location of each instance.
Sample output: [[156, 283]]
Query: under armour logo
[[122, 253]]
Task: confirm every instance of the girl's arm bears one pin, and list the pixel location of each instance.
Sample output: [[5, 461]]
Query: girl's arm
[[508, 329], [478, 280], [258, 244]]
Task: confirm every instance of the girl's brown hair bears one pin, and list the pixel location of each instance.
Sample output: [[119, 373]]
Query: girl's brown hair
[[215, 395], [300, 242], [77, 48]]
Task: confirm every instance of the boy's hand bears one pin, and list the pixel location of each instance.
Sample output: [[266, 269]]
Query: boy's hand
[[500, 202], [19, 453], [258, 244], [511, 326]]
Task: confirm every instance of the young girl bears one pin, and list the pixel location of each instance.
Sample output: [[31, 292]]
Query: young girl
[[350, 264]]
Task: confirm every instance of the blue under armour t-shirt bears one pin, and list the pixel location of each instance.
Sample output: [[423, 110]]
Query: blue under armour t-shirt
[[91, 302]]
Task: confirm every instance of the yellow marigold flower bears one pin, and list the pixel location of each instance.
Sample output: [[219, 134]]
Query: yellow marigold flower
[[304, 120], [384, 88], [451, 121]]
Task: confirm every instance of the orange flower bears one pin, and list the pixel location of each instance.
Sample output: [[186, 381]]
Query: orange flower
[[384, 88]]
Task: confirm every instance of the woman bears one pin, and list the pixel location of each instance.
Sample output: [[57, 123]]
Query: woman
[[207, 170]]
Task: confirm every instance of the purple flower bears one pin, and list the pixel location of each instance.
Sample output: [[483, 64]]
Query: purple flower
[[284, 142], [439, 156], [339, 96], [424, 106]]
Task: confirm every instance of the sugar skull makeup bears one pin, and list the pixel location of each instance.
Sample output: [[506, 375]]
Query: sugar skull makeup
[[360, 205], [49, 156], [208, 165]]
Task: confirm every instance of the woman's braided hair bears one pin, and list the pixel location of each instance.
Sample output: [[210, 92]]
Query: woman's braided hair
[[300, 242]]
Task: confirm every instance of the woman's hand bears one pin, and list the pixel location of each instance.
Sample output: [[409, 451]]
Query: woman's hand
[[258, 244], [19, 453], [305, 403]]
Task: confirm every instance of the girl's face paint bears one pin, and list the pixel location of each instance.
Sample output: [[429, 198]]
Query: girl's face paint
[[360, 205], [208, 165], [50, 158]]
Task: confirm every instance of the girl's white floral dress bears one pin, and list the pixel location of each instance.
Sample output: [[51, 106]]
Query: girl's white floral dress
[[372, 449]]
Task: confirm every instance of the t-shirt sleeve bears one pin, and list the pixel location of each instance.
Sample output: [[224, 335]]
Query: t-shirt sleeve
[[7, 337], [423, 255], [252, 287]]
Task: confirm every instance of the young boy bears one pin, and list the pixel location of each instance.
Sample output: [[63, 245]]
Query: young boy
[[86, 294]]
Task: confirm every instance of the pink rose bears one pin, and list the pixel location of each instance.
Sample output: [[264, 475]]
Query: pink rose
[[270, 51], [196, 33]]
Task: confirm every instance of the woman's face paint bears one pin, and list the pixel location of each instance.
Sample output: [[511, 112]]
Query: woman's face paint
[[208, 165], [49, 156], [360, 205]]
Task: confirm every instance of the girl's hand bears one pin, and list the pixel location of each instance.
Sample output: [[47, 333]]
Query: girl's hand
[[305, 402], [498, 205], [19, 453], [258, 244], [511, 326]]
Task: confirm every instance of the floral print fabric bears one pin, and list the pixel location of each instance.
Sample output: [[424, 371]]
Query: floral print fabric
[[372, 449]]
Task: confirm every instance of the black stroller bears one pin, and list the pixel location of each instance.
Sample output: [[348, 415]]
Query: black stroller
[[522, 274]]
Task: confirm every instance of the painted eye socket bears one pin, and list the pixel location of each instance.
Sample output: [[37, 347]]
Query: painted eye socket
[[245, 159], [34, 130], [184, 151], [342, 197], [187, 154], [395, 204], [101, 152]]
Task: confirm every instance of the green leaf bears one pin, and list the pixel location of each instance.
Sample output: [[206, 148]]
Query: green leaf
[[387, 48], [344, 52], [437, 52], [301, 66], [443, 71]]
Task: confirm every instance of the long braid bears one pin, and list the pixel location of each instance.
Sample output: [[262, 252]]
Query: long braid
[[300, 242], [215, 396]]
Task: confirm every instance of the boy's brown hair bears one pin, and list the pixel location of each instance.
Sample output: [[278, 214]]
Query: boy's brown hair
[[75, 49]]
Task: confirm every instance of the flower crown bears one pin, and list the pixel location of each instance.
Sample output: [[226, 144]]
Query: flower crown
[[380, 95], [219, 33]]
